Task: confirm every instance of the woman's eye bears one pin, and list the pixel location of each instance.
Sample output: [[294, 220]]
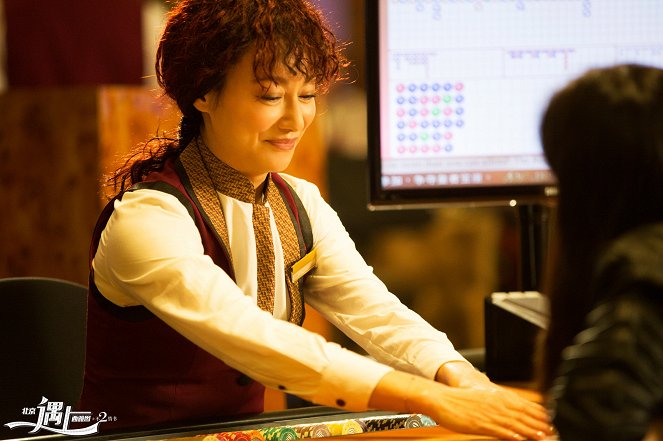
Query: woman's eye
[[308, 97], [270, 97]]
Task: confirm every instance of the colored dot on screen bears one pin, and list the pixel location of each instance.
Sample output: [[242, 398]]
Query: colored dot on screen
[[400, 88], [446, 99], [424, 112]]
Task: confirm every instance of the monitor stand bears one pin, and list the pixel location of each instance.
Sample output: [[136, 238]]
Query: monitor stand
[[514, 320], [534, 227]]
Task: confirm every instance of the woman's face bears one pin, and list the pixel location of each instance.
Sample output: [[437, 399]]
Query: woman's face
[[253, 129]]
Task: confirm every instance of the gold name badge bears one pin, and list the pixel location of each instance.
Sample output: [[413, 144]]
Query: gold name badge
[[304, 265]]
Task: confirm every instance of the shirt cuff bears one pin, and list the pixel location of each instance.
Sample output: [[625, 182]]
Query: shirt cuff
[[431, 363], [349, 381]]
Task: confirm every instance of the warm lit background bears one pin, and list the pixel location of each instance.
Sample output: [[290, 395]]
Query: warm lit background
[[77, 93]]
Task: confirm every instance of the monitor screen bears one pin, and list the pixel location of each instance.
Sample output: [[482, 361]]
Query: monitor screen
[[456, 89]]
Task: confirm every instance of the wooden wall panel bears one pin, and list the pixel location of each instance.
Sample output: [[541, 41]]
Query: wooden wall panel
[[129, 116], [48, 174]]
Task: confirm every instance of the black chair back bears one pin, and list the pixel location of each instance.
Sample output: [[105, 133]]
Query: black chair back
[[42, 336]]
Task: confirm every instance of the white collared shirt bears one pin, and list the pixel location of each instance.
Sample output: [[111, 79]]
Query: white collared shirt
[[151, 254]]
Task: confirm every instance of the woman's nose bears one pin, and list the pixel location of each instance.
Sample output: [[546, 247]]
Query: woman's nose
[[294, 116]]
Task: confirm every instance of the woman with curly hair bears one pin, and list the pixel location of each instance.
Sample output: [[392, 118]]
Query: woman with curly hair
[[200, 266]]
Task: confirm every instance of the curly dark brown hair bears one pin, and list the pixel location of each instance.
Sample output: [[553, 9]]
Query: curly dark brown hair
[[203, 39]]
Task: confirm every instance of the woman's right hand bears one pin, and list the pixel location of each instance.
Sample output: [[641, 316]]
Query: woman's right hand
[[490, 411]]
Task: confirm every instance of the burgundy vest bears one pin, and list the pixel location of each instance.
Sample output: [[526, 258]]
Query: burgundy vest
[[140, 371]]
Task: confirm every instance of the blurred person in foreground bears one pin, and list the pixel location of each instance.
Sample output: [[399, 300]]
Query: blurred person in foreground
[[603, 353]]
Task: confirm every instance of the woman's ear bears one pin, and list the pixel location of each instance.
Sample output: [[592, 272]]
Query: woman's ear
[[202, 104]]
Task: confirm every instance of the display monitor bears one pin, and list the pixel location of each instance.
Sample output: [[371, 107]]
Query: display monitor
[[456, 89]]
